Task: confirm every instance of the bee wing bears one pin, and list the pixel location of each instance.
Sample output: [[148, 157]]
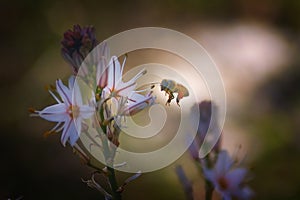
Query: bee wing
[[182, 91]]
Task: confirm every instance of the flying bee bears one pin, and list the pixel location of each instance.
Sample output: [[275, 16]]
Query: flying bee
[[171, 87]]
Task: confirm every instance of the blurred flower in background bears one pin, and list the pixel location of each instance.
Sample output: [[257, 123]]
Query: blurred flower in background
[[227, 179]]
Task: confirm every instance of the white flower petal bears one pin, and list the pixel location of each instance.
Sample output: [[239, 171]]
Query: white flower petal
[[64, 92], [54, 113], [125, 89], [73, 134], [123, 65], [102, 73], [71, 82], [105, 93], [135, 97], [114, 72], [78, 123], [138, 75], [54, 109], [69, 128], [104, 50], [117, 70], [141, 103], [86, 111], [54, 117], [77, 98]]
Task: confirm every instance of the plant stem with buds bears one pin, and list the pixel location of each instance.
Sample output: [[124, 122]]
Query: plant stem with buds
[[109, 162], [114, 185]]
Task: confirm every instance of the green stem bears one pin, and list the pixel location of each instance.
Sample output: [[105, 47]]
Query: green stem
[[109, 159], [208, 190], [111, 172], [114, 185]]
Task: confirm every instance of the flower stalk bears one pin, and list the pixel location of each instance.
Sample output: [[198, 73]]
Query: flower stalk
[[109, 162], [209, 189], [185, 182]]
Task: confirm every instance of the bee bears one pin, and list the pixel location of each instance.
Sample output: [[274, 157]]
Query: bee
[[171, 87]]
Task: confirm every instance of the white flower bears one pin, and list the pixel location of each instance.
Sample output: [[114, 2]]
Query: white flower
[[69, 114], [228, 181], [124, 99], [138, 102], [115, 85]]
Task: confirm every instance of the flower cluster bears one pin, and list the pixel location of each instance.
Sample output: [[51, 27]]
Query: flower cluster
[[112, 100], [220, 171]]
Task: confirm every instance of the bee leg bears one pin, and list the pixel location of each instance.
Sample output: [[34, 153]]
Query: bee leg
[[179, 97], [171, 97], [177, 101], [169, 101]]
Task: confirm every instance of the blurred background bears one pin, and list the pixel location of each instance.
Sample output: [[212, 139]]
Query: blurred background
[[254, 43]]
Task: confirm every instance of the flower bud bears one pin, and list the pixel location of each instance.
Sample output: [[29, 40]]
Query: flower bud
[[206, 125], [77, 44]]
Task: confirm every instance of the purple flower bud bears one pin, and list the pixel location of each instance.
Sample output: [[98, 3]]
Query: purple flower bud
[[77, 44], [206, 125], [205, 108]]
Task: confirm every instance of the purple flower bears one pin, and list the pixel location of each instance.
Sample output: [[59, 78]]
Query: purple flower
[[77, 44], [227, 180]]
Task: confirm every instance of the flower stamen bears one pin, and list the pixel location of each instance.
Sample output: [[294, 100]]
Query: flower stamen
[[73, 111]]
